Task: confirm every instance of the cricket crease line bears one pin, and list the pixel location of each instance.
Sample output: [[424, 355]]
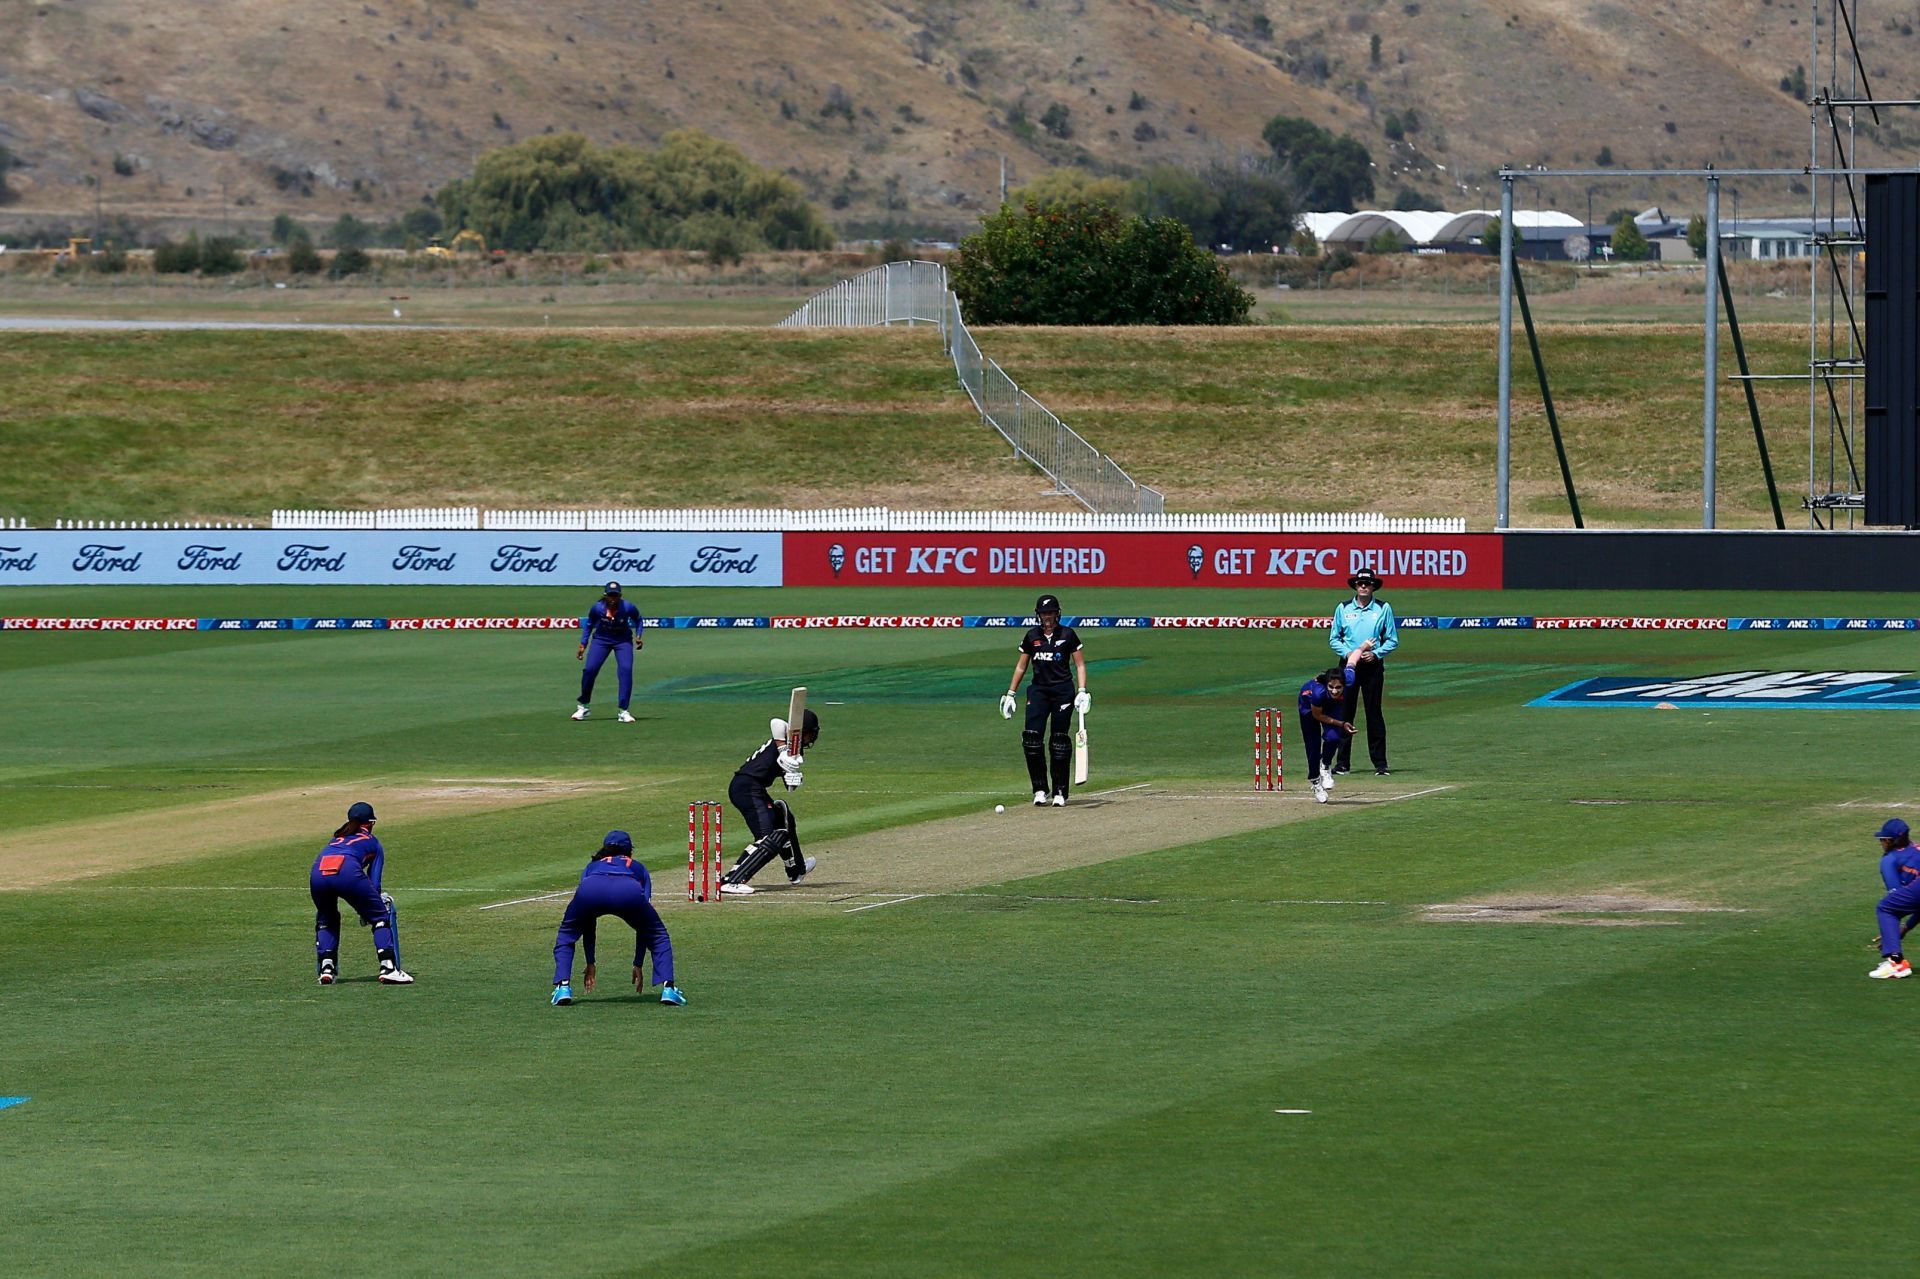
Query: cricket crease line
[[1388, 799], [522, 901], [1118, 790], [895, 902]]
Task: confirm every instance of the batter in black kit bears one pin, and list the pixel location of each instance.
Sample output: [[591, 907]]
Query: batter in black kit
[[1051, 700], [770, 820]]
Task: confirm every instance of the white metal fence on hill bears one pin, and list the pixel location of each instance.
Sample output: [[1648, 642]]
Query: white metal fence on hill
[[869, 519], [917, 293]]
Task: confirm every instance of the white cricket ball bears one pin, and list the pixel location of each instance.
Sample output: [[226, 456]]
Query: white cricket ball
[[999, 808]]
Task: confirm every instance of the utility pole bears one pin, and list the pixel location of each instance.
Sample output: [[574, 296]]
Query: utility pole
[[223, 207], [96, 206], [1003, 178]]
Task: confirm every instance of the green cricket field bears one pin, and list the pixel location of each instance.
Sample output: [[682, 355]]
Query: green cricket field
[[1571, 992]]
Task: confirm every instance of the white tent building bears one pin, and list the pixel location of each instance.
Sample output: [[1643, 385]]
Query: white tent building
[[1423, 228]]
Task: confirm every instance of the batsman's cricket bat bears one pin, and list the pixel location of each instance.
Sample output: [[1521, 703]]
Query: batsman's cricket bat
[[1080, 752], [796, 721]]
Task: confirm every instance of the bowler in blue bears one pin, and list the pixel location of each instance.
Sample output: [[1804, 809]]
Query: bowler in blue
[[1900, 908], [1362, 636], [1322, 728], [611, 627], [615, 884], [348, 870]]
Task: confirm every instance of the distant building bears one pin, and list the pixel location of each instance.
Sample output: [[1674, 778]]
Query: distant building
[[1540, 233]]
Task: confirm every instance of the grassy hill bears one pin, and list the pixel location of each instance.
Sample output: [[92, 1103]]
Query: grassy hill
[[1296, 417], [888, 111]]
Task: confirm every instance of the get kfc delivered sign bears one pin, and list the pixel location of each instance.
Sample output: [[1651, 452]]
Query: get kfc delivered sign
[[1468, 560]]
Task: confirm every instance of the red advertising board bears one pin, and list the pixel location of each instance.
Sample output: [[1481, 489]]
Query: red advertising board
[[1059, 559]]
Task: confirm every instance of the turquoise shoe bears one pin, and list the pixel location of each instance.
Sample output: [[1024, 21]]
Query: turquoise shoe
[[672, 995], [562, 994]]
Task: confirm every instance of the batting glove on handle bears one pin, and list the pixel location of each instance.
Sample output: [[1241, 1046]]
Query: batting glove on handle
[[1006, 706], [1082, 700]]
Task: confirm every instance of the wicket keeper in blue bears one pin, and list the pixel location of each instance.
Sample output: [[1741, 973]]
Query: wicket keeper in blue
[[615, 884], [1362, 636], [348, 869], [1322, 727], [1900, 872], [611, 626]]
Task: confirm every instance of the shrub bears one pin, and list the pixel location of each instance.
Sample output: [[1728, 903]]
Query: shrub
[[349, 232], [350, 261], [302, 257], [1055, 120], [220, 256], [177, 259], [1091, 264]]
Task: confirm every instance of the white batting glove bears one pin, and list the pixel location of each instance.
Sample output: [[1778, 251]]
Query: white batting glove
[[1006, 706], [1082, 700], [792, 778]]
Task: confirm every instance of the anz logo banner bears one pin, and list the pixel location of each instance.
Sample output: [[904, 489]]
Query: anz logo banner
[[1763, 690]]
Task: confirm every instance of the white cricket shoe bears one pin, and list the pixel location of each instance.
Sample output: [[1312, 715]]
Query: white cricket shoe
[[1039, 799], [1892, 968], [737, 890], [806, 868], [1319, 793], [395, 977], [581, 712], [623, 718], [1060, 800], [1326, 778]]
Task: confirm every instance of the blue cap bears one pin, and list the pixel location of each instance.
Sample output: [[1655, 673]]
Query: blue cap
[[361, 812], [613, 588], [617, 839], [1892, 828]]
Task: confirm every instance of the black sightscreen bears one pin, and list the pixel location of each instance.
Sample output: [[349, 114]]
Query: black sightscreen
[[1893, 349]]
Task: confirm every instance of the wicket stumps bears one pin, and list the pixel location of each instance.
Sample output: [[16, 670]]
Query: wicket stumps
[[704, 837], [1266, 748]]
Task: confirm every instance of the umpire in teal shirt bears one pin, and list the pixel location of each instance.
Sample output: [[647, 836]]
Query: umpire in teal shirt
[[1362, 636]]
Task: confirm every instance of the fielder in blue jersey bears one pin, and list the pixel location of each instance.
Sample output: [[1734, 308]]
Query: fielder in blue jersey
[[611, 626], [614, 884], [349, 869], [1363, 634], [1323, 727], [1900, 872]]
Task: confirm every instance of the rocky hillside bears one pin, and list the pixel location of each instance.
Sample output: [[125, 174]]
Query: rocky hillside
[[890, 111]]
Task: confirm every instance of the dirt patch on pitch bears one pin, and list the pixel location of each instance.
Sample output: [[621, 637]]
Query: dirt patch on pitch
[[959, 853], [152, 837], [1604, 910]]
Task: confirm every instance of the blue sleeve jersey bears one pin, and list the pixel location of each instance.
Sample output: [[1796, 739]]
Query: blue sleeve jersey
[[618, 625], [1314, 696], [621, 867], [1900, 867], [366, 850]]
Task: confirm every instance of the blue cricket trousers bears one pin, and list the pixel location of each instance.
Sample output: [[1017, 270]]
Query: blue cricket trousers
[[1902, 901], [335, 879], [625, 900], [597, 652]]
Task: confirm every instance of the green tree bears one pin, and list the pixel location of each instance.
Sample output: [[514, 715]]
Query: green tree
[[6, 163], [302, 257], [1331, 173], [1604, 157], [1373, 49], [1697, 235], [1491, 236], [1392, 127], [1387, 241], [349, 232], [1305, 243], [352, 260], [1629, 244], [285, 229], [561, 193], [177, 259], [1057, 120], [1072, 185], [221, 256], [1254, 205], [1091, 264], [1407, 199]]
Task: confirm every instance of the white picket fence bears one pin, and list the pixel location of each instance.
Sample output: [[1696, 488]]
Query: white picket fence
[[124, 525], [868, 519], [917, 292], [405, 517]]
